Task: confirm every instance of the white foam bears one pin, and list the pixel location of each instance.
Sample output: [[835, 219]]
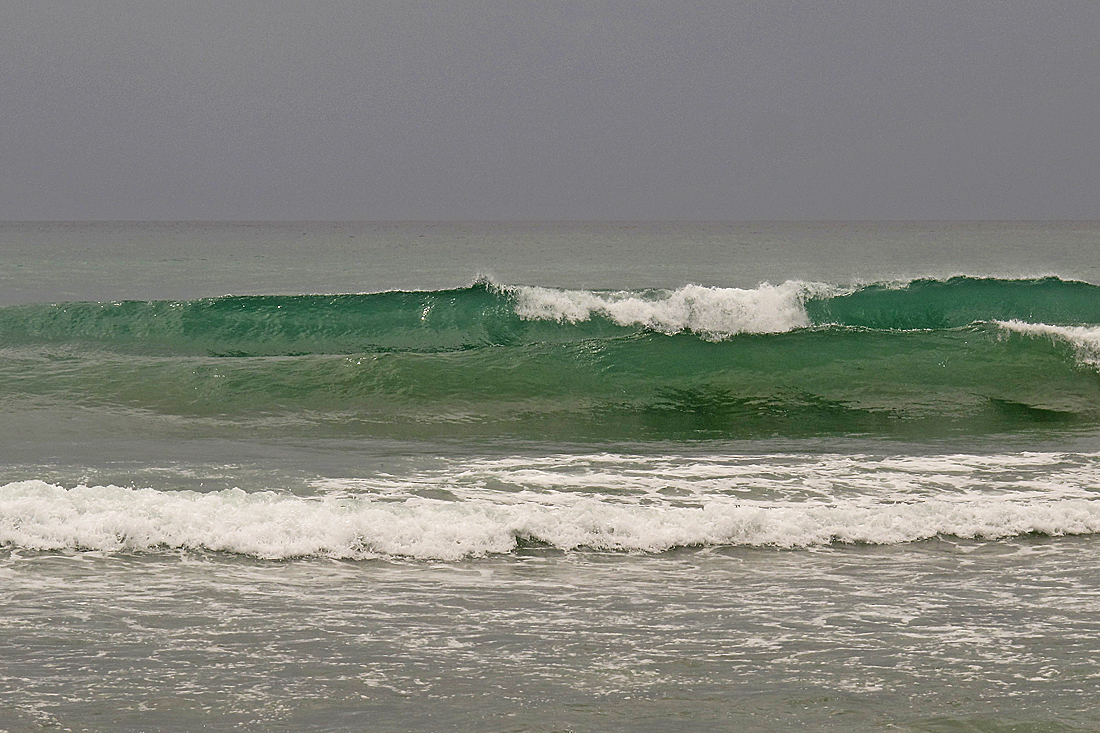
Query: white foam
[[714, 313], [40, 516], [1084, 339]]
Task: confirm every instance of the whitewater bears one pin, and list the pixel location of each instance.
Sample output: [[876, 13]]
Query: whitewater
[[602, 502]]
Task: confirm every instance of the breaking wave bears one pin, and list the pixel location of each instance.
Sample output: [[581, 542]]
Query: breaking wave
[[39, 516], [797, 358]]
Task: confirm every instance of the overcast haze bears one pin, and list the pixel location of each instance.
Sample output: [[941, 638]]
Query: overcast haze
[[834, 109]]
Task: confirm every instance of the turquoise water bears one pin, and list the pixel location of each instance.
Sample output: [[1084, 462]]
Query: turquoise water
[[550, 477]]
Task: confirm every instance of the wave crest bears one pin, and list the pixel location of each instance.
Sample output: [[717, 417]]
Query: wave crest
[[713, 313]]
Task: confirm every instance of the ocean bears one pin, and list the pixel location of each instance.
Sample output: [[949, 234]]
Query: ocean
[[550, 476]]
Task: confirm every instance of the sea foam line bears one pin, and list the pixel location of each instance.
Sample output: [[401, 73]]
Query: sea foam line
[[36, 515]]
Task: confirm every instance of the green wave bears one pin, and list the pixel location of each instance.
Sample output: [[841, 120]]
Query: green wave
[[485, 314], [267, 325], [924, 357], [959, 301]]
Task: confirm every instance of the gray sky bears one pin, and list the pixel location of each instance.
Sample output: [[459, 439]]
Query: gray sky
[[834, 109]]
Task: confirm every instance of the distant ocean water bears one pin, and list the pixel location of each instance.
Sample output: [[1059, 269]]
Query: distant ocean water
[[547, 477]]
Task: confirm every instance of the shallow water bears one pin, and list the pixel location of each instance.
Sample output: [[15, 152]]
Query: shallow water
[[938, 635]]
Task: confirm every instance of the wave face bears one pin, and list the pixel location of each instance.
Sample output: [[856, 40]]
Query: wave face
[[798, 358]]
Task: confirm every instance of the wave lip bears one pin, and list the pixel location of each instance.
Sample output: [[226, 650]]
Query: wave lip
[[1084, 339], [35, 515]]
